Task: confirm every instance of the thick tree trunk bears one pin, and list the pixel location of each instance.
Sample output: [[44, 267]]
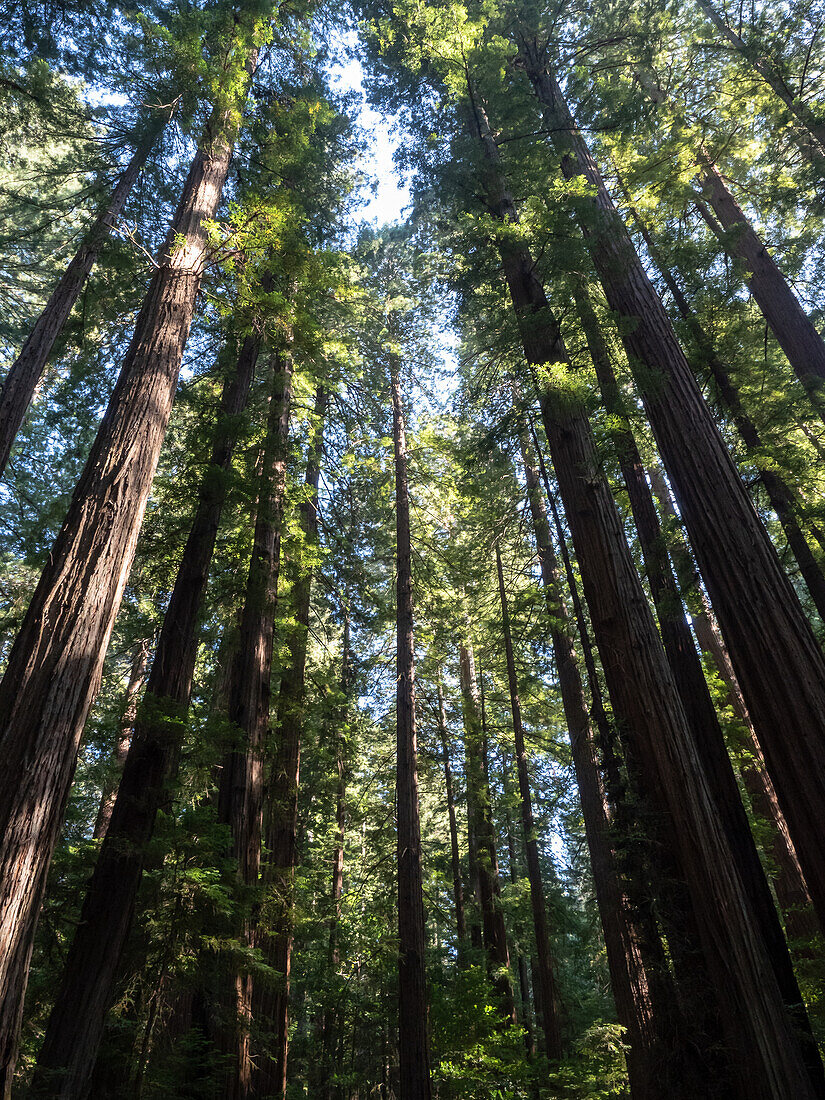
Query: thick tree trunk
[[26, 371], [772, 647], [789, 883], [815, 128], [795, 332], [455, 855], [87, 986], [551, 1024], [413, 1046], [55, 664], [137, 675], [645, 700], [780, 495], [640, 979], [240, 795], [284, 780], [479, 810], [693, 690]]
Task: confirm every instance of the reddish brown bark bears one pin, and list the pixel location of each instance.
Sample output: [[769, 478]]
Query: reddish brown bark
[[644, 697], [26, 371], [87, 985], [551, 1023], [240, 795], [778, 662], [285, 778], [137, 674], [55, 664], [413, 1046]]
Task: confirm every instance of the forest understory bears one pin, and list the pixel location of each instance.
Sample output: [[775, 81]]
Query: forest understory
[[412, 550]]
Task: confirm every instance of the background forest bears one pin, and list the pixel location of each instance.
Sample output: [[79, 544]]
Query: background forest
[[411, 635]]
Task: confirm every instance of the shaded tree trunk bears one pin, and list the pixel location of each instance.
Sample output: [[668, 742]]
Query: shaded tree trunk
[[413, 1046], [285, 778], [521, 961], [240, 795], [642, 986], [690, 682], [772, 647], [87, 986], [551, 1024], [55, 664], [455, 855], [479, 809], [644, 697], [26, 371], [780, 495]]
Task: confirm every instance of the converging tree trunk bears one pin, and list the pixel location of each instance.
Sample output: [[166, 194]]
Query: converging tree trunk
[[551, 1024], [86, 991], [240, 795], [643, 694], [55, 664], [772, 647], [413, 1045], [455, 855], [26, 371], [279, 872]]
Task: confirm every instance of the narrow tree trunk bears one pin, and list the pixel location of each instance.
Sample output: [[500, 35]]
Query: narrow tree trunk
[[551, 1024], [521, 961], [55, 664], [780, 495], [87, 987], [285, 777], [690, 682], [814, 151], [455, 855], [240, 796], [137, 674], [480, 811], [27, 369], [644, 697], [414, 1059], [778, 663], [330, 1016], [795, 332]]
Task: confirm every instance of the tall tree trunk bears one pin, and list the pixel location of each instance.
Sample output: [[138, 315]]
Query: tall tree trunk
[[690, 682], [798, 108], [285, 778], [794, 330], [413, 1046], [780, 494], [521, 961], [86, 990], [778, 663], [479, 809], [789, 883], [644, 697], [26, 371], [137, 675], [551, 1024], [240, 795], [330, 1016], [55, 664], [455, 855], [640, 979]]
